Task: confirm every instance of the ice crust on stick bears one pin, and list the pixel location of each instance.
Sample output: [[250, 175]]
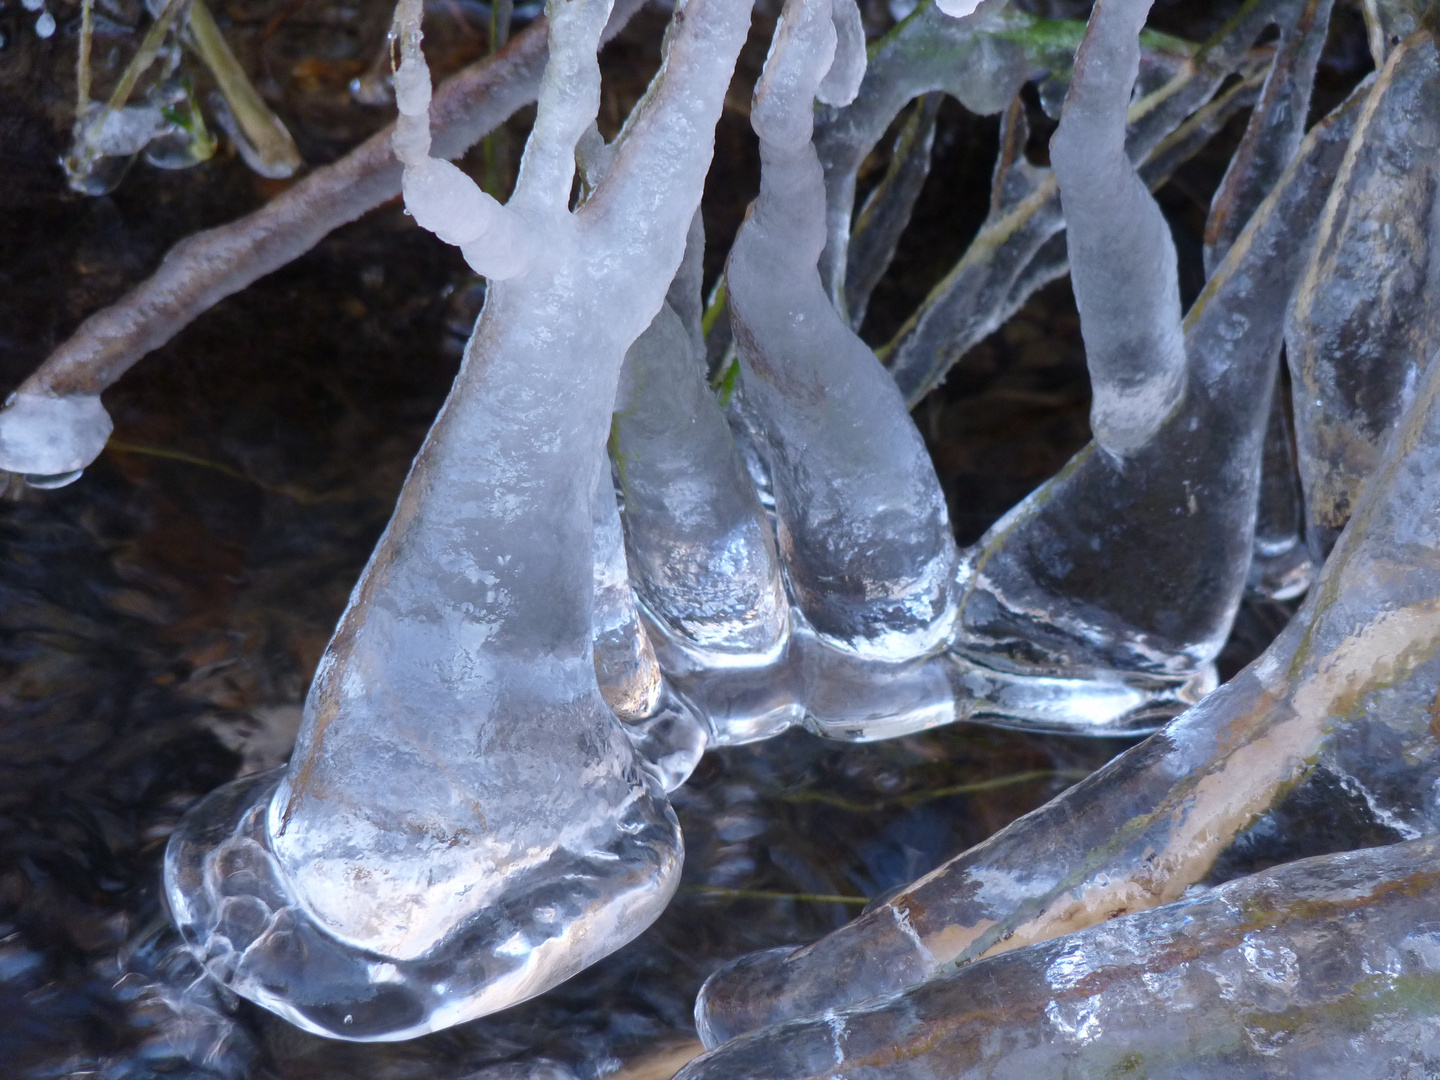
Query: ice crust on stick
[[863, 528], [465, 822], [1122, 259], [209, 265], [1276, 127], [1151, 823], [44, 436], [1328, 968], [1365, 322]]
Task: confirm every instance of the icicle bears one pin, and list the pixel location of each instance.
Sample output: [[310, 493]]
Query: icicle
[[864, 533], [701, 553], [1122, 259], [464, 822]]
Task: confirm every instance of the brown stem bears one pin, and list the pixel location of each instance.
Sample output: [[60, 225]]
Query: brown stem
[[204, 268]]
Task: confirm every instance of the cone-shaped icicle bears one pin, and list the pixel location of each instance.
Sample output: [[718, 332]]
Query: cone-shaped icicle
[[465, 822], [1076, 582]]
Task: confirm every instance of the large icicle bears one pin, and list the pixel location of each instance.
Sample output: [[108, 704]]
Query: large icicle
[[1150, 824], [464, 822]]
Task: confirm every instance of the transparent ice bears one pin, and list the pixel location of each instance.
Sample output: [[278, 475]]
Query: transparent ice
[[465, 822], [1365, 325], [1346, 690], [596, 569], [1324, 968]]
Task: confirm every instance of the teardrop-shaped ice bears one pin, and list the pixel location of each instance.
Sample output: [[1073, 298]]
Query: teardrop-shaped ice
[[464, 821], [863, 528]]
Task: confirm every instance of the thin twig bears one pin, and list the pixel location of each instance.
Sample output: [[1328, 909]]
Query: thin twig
[[82, 64], [298, 495]]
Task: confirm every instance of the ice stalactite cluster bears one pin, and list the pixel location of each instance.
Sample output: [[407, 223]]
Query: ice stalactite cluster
[[598, 566]]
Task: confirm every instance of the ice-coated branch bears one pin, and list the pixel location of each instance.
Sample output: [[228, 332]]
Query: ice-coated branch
[[1323, 968], [1365, 322], [1021, 248], [1122, 259], [864, 532], [1151, 823], [210, 265], [970, 58], [1276, 127], [886, 212]]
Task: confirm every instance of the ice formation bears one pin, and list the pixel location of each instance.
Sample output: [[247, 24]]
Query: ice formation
[[595, 569], [1045, 874], [1280, 564], [46, 436], [464, 821], [1122, 260], [863, 529], [1365, 325], [1328, 968]]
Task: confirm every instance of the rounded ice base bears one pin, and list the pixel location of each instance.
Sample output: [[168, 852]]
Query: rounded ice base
[[1098, 702], [242, 919]]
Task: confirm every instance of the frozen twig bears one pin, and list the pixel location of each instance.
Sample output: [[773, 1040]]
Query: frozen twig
[[1365, 323], [1313, 969], [210, 265]]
